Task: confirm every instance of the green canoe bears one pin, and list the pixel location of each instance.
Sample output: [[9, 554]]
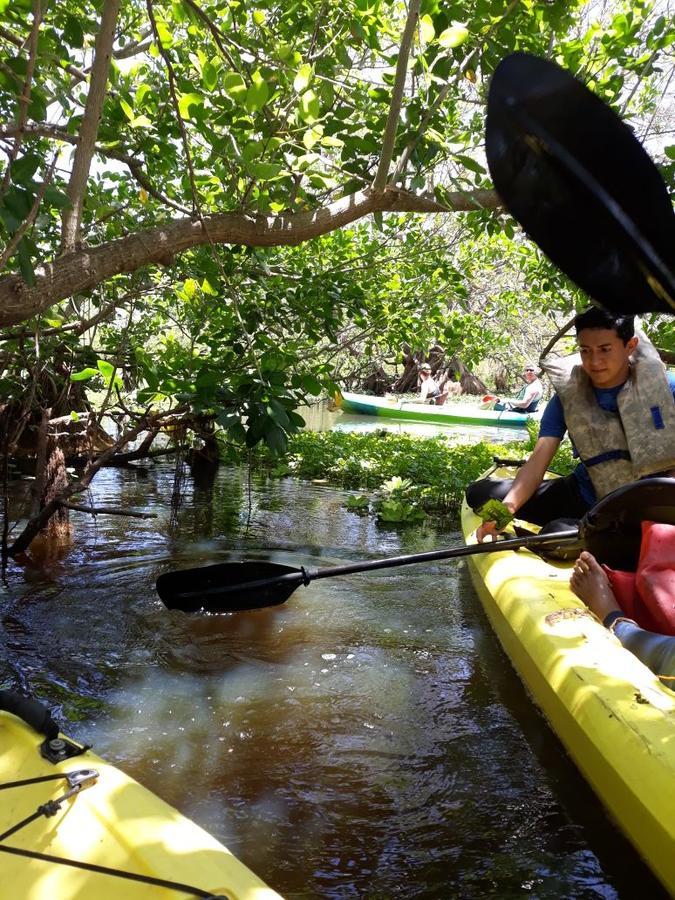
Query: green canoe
[[448, 414]]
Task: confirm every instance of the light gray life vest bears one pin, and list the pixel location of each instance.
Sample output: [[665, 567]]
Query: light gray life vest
[[618, 449]]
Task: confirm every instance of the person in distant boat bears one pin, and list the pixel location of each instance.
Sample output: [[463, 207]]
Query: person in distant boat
[[618, 406], [591, 584], [430, 390], [528, 397]]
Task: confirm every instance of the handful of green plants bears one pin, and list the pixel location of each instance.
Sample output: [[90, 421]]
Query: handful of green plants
[[497, 512]]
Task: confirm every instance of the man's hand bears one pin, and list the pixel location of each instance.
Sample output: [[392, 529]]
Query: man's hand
[[487, 531]]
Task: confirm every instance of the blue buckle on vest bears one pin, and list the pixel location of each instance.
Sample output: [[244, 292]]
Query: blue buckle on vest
[[657, 417], [607, 456]]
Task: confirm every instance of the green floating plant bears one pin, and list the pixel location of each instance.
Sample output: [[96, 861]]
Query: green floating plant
[[497, 512]]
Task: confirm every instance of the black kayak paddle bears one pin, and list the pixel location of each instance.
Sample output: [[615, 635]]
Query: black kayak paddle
[[581, 185], [232, 587], [610, 531]]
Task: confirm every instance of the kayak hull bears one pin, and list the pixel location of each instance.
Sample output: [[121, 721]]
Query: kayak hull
[[613, 715], [448, 414], [113, 823]]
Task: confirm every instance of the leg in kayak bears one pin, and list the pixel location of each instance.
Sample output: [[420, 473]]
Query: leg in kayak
[[590, 583]]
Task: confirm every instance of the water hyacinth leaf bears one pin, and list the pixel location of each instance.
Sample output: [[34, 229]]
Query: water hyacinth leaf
[[497, 512]]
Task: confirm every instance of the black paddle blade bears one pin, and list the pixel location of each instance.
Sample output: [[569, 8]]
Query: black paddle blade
[[229, 587], [581, 185], [612, 530]]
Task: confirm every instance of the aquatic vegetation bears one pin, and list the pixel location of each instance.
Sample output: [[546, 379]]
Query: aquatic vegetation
[[409, 477]]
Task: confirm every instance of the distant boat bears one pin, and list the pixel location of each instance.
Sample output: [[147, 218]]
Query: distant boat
[[448, 414]]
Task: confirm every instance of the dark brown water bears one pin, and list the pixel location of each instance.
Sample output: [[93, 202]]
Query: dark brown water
[[368, 738]]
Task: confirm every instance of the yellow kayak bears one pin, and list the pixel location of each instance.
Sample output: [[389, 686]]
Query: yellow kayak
[[77, 827], [614, 716]]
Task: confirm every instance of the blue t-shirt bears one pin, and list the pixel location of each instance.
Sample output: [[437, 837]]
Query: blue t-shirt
[[553, 425]]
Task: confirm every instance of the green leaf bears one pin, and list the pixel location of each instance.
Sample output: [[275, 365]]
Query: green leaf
[[309, 108], [275, 438], [454, 36], [187, 101], [670, 151], [128, 110], [427, 30], [227, 418], [24, 168], [209, 76], [55, 197], [72, 32], [84, 374], [303, 78], [311, 384], [311, 137], [165, 34], [237, 432], [235, 86], [258, 94], [109, 373], [26, 262], [469, 163], [264, 170], [105, 368]]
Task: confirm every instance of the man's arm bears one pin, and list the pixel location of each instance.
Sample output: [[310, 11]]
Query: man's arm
[[526, 482]]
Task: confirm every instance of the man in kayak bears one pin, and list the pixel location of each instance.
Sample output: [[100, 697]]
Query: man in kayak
[[430, 390], [528, 397], [619, 410], [591, 584]]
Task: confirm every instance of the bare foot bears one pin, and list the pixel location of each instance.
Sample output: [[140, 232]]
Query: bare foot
[[590, 583]]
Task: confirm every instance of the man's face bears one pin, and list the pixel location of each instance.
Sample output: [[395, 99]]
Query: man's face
[[529, 374], [604, 356]]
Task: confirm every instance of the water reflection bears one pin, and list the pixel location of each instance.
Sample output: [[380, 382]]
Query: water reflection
[[365, 739]]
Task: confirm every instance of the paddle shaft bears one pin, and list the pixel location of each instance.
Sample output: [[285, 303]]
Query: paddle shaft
[[304, 576]]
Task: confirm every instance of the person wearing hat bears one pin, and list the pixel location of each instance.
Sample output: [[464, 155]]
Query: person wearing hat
[[430, 390], [528, 397]]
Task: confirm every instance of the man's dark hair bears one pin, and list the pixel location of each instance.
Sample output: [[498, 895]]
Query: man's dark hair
[[594, 317]]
